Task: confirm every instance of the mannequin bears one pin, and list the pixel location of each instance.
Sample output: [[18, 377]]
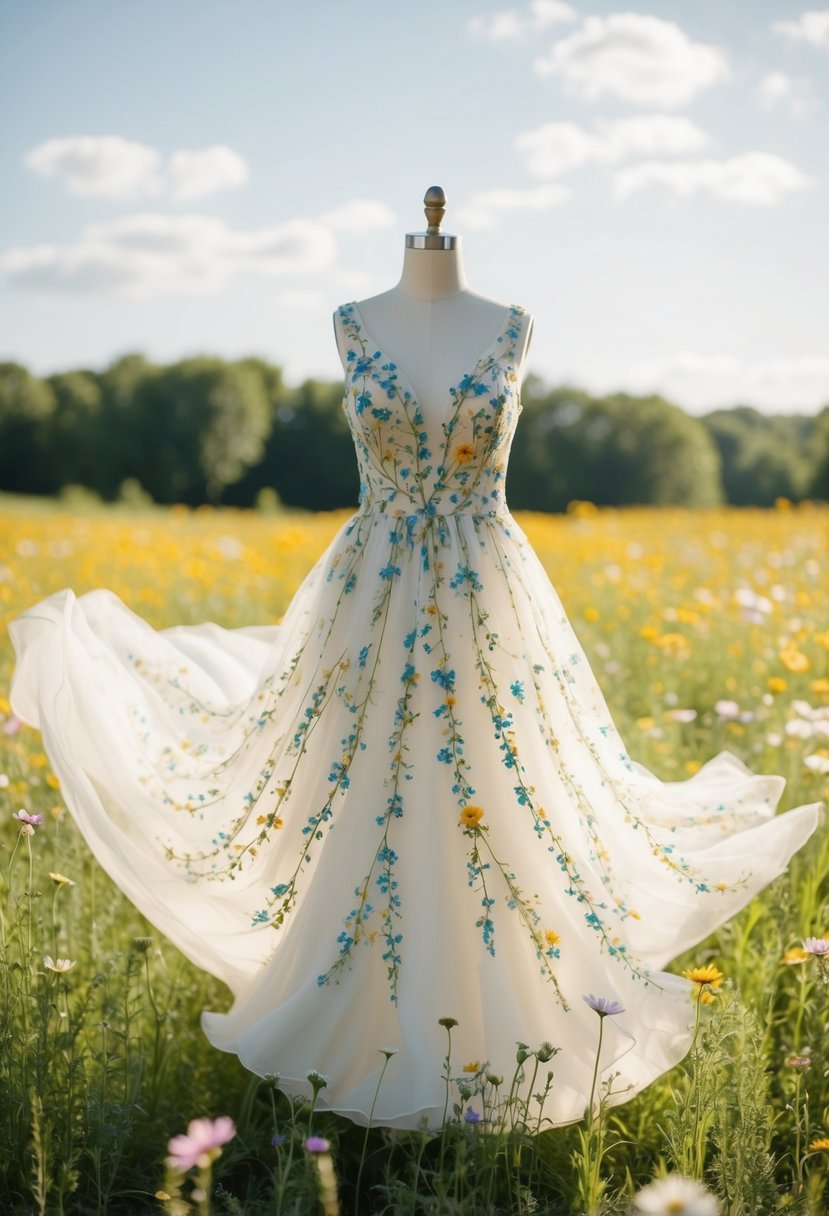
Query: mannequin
[[431, 324]]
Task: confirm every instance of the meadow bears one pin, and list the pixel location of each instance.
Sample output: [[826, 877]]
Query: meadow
[[707, 628]]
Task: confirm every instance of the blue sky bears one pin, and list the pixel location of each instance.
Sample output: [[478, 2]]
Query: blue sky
[[649, 181]]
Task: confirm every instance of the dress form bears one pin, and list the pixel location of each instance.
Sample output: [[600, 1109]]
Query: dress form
[[431, 323]]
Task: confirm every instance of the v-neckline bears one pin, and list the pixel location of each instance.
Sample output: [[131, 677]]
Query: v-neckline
[[510, 310]]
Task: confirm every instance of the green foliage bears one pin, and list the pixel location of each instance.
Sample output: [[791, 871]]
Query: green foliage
[[26, 405], [819, 484], [764, 456], [73, 431], [208, 430], [612, 451], [309, 456], [196, 427], [743, 1166]]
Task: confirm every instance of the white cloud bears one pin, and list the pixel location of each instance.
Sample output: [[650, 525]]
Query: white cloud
[[559, 147], [512, 25], [149, 254], [777, 89], [109, 166], [635, 57], [481, 210], [794, 383], [105, 165], [759, 178], [359, 215], [811, 26], [197, 173]]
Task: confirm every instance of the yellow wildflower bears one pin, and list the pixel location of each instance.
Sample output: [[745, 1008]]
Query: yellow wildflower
[[708, 975], [820, 1145], [777, 684], [60, 880], [795, 955], [471, 816], [472, 1066], [464, 453], [794, 660]]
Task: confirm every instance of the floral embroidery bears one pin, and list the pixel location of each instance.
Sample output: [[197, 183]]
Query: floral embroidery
[[407, 655]]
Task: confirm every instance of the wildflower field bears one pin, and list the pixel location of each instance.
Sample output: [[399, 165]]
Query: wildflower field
[[708, 630]]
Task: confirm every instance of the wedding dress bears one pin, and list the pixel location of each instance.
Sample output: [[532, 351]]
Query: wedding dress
[[407, 801]]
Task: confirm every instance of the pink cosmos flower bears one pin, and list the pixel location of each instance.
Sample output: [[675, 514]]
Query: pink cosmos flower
[[202, 1136], [816, 945], [25, 817], [604, 1006]]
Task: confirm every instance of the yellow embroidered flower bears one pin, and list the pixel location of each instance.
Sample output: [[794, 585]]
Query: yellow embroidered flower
[[708, 975], [464, 453], [472, 1066], [551, 937], [471, 816]]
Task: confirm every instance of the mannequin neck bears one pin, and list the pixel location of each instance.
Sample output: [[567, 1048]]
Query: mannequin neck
[[431, 274]]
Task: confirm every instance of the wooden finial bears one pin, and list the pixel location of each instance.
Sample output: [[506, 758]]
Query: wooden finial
[[434, 204]]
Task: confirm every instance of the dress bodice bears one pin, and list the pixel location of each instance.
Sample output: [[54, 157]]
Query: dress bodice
[[411, 466]]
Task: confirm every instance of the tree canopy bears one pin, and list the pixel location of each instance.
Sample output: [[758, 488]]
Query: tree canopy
[[205, 429]]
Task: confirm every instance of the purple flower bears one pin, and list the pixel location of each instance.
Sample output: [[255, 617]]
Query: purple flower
[[316, 1144], [471, 1116], [25, 817], [277, 1141], [816, 945], [202, 1136], [603, 1006]]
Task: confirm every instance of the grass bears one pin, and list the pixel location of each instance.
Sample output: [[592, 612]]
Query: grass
[[706, 629]]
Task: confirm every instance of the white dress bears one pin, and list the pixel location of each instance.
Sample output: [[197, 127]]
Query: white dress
[[408, 800]]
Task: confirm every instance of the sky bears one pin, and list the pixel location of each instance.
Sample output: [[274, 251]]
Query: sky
[[651, 182]]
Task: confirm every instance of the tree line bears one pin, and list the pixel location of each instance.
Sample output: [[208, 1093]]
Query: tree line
[[208, 430]]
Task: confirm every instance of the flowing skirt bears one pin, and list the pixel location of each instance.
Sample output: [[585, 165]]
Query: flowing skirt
[[408, 801]]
